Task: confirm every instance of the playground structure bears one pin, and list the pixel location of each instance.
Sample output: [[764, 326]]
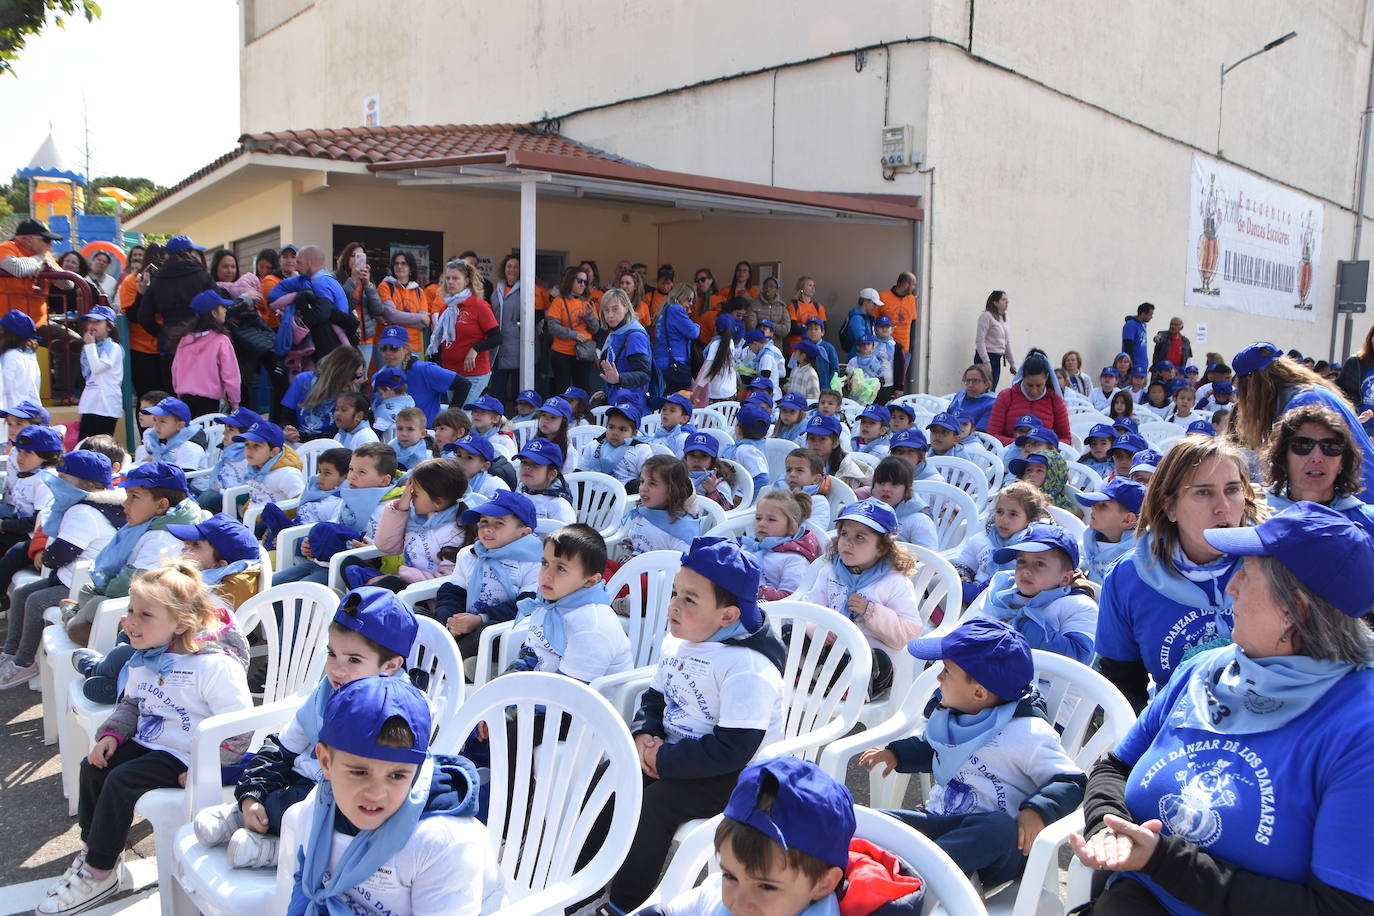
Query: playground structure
[[57, 195]]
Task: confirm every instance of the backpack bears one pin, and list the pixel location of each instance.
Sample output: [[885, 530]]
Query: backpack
[[846, 337]]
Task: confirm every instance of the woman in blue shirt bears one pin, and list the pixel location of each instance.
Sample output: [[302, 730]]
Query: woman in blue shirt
[[674, 332], [1244, 787], [1312, 457], [311, 394], [426, 382], [976, 398], [625, 354]]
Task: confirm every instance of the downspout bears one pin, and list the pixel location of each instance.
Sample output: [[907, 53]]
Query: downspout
[[1337, 358], [929, 221]]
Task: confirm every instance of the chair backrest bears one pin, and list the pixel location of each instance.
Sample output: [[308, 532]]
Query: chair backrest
[[723, 436], [709, 418], [1083, 478], [1067, 520], [545, 801], [727, 409], [579, 436], [650, 424], [990, 442], [710, 513], [648, 582], [599, 500], [945, 885], [993, 467], [868, 462], [436, 654], [505, 446], [1080, 424], [824, 681], [841, 494], [599, 412], [954, 511], [658, 448], [1071, 454], [937, 588], [311, 451], [295, 619], [264, 569], [524, 431], [743, 486], [1160, 434], [1086, 709], [734, 526], [776, 451], [963, 474]]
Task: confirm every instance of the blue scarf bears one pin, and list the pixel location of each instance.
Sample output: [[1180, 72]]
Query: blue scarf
[[684, 528], [757, 546], [1098, 554], [64, 495], [854, 582], [1230, 693], [158, 450], [102, 349], [1005, 601], [990, 567], [114, 556], [909, 507], [407, 456], [217, 574], [666, 432], [548, 615], [346, 436], [257, 475], [233, 453], [1201, 587], [791, 433], [313, 493], [433, 520], [955, 737], [477, 482], [605, 456], [527, 549], [868, 447], [360, 503], [368, 851], [159, 659]]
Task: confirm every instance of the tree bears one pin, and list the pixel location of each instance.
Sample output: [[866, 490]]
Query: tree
[[143, 190], [21, 18]]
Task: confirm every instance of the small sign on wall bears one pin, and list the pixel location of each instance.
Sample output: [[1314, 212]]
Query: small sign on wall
[[372, 110], [1201, 335]]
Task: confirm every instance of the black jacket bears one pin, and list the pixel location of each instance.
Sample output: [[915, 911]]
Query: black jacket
[[165, 310], [1162, 349]]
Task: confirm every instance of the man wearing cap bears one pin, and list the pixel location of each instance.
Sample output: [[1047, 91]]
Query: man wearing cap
[[164, 310], [899, 307], [859, 323], [1242, 784], [28, 253]]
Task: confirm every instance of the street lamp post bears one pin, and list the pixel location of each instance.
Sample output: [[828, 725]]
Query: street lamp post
[[1227, 68]]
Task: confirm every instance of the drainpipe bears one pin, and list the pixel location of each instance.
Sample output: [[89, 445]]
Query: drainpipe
[[1339, 357], [930, 267]]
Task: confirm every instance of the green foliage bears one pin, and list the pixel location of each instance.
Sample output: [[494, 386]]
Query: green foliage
[[20, 19]]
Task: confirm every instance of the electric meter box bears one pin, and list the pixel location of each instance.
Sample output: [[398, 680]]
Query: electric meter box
[[897, 151]]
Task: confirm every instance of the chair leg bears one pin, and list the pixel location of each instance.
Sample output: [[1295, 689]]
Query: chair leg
[[45, 680], [69, 752]]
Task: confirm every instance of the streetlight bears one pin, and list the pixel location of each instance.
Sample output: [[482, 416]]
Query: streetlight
[[1225, 69]]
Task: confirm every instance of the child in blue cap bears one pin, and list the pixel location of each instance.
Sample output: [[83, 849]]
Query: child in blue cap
[[169, 438], [526, 403], [674, 422], [751, 428], [18, 362], [1043, 597], [541, 480], [944, 436], [787, 848], [1018, 504], [667, 517], [1107, 383], [714, 700], [275, 472], [475, 454], [392, 828], [229, 467], [37, 450], [17, 417], [822, 436], [1097, 449], [866, 359], [555, 419], [372, 633], [999, 772], [711, 479], [389, 398], [804, 381], [874, 437], [791, 422], [618, 452], [1110, 534], [102, 367], [488, 416], [494, 572]]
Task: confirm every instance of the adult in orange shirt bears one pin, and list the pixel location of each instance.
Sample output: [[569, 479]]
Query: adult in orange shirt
[[899, 304], [268, 268], [570, 318], [403, 301], [29, 252], [742, 285], [594, 289], [147, 376], [709, 299], [654, 298], [802, 309]]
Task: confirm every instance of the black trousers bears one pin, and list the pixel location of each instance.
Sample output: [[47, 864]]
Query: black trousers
[[504, 386], [200, 405], [1124, 897], [105, 808], [568, 371], [96, 425], [147, 372]]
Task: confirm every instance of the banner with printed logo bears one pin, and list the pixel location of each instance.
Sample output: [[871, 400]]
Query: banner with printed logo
[[1253, 246]]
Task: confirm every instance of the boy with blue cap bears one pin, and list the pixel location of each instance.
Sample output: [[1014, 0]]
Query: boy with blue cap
[[526, 403], [827, 359], [1143, 466], [791, 422], [674, 422], [26, 413], [1110, 534], [787, 848], [488, 416], [865, 359], [475, 454], [392, 828], [1097, 449], [618, 452], [36, 450], [710, 478], [541, 480], [275, 473], [714, 700], [1123, 451], [372, 634], [389, 398], [874, 437], [102, 367], [999, 772], [19, 363], [230, 467], [751, 428], [1108, 380], [169, 438], [944, 436], [228, 555]]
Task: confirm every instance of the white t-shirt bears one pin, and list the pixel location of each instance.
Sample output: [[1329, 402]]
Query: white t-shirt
[[151, 550], [447, 868], [919, 529], [552, 507], [103, 395], [723, 384], [19, 378], [188, 456], [709, 684], [523, 576], [770, 360], [30, 495], [231, 473], [85, 527], [488, 486], [642, 536], [1004, 772], [279, 485], [198, 686], [749, 455], [782, 569], [596, 644]]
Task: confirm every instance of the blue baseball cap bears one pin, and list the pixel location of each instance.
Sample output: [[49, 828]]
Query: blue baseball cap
[[179, 243], [1130, 494], [702, 442], [488, 403], [823, 425], [814, 320], [389, 377], [242, 418], [680, 400], [754, 335], [1146, 460], [1203, 427], [867, 339], [722, 561], [38, 439], [1139, 372], [263, 431], [1127, 423], [882, 321], [529, 396], [876, 412], [1039, 434], [156, 474], [19, 324], [811, 812], [872, 512], [1164, 366], [1191, 370], [100, 313], [1223, 387], [627, 409], [753, 417], [542, 451], [328, 538], [990, 651], [228, 536], [504, 502], [760, 399], [1310, 540], [558, 407], [87, 465], [944, 420], [355, 714], [475, 445], [1040, 537], [1179, 384], [575, 392], [28, 410], [765, 323], [169, 407], [1101, 431], [1028, 420], [905, 408], [1110, 370], [393, 336], [1018, 466], [911, 437], [381, 616], [1259, 355], [761, 384], [792, 401], [728, 324], [812, 351], [1129, 442], [207, 300]]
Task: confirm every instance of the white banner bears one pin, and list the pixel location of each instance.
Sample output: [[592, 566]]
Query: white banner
[[1253, 246]]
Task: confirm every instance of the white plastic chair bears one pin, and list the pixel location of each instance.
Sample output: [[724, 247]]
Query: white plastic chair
[[840, 495], [524, 431], [990, 442], [727, 409], [1161, 434], [956, 515], [722, 436], [776, 451], [993, 468], [579, 436], [963, 474], [1074, 696], [649, 425], [311, 451], [704, 418], [945, 885], [743, 487], [930, 403], [1067, 520], [436, 654], [540, 817], [1081, 424], [1084, 479], [869, 463], [599, 500], [658, 448], [504, 446], [1071, 454]]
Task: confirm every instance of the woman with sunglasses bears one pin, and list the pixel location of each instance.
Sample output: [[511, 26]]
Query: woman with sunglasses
[[403, 300], [571, 320], [1311, 457], [1269, 384], [976, 399]]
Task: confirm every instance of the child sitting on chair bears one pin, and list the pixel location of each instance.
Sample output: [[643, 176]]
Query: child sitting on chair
[[710, 478], [874, 437], [230, 468], [999, 773], [275, 472], [944, 436], [488, 416], [541, 479], [475, 454], [389, 398], [351, 428], [674, 422], [666, 517], [321, 501], [1017, 505], [410, 442], [1111, 526], [804, 472], [170, 438], [1097, 449], [751, 427], [780, 546], [420, 526], [892, 484], [618, 452]]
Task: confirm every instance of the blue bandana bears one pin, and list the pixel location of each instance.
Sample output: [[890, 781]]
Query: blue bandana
[[159, 450], [854, 582], [549, 614], [759, 546], [233, 453], [527, 549], [257, 475], [360, 503], [159, 659], [605, 457], [1230, 693], [65, 494], [955, 737], [684, 528], [218, 574], [407, 456], [114, 556], [434, 519], [1006, 603]]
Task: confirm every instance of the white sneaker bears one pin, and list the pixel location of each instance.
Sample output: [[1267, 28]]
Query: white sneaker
[[79, 892], [13, 675], [72, 869], [248, 849], [214, 826]]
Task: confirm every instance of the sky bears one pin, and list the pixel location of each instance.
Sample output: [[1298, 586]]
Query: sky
[[160, 84]]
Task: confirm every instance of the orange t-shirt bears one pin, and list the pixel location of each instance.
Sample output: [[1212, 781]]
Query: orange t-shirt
[[20, 292], [405, 300], [572, 314], [801, 313], [140, 341], [269, 314], [902, 312]]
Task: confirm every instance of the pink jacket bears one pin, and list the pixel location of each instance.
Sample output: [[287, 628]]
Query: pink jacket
[[205, 366]]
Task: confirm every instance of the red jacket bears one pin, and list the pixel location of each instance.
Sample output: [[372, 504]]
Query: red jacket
[[1011, 403]]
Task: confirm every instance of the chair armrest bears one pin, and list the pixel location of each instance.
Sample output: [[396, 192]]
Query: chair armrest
[[336, 564], [416, 592], [229, 500], [1043, 862], [835, 758], [486, 647], [622, 690], [288, 539], [251, 513], [205, 786], [797, 745], [105, 626], [198, 474], [552, 899]]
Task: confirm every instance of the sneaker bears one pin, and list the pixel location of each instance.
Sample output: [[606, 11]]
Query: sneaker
[[72, 869], [248, 849], [79, 892], [83, 660], [214, 826], [13, 675]]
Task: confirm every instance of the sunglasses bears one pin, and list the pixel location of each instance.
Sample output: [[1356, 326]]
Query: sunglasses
[[703, 279], [1302, 445], [389, 347]]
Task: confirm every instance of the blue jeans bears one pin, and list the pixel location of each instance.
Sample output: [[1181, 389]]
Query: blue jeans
[[984, 842], [477, 386], [302, 572]]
